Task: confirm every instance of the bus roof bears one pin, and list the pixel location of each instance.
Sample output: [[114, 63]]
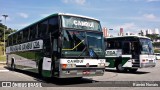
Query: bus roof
[[56, 14], [75, 15], [129, 36]]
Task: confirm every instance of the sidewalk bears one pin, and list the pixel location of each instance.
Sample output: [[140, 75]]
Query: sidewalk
[[2, 64], [2, 67]]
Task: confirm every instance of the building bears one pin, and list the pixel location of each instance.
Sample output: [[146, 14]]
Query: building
[[156, 31], [149, 31], [121, 32], [105, 32]]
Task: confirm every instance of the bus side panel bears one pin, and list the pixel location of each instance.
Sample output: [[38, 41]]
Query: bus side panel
[[110, 62], [46, 67], [127, 62], [25, 60]]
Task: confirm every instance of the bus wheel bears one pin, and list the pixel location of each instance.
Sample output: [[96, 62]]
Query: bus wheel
[[12, 65], [120, 68], [133, 70]]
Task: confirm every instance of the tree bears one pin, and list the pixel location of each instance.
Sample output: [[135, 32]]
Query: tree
[[7, 32], [156, 45], [152, 36]]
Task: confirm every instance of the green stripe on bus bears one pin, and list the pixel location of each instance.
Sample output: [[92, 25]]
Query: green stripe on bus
[[124, 60], [46, 73], [112, 61]]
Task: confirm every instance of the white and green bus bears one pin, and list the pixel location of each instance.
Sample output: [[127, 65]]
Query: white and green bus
[[60, 45], [129, 53]]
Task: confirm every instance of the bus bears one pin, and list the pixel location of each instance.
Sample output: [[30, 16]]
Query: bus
[[128, 53], [60, 45], [157, 56]]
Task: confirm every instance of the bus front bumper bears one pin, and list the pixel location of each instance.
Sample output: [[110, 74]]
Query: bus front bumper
[[146, 65], [81, 72]]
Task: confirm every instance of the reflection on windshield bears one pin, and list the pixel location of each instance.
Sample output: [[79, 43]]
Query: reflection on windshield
[[74, 44], [95, 43], [147, 47]]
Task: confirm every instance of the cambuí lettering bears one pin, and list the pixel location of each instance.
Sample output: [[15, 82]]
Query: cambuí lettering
[[83, 23], [75, 61]]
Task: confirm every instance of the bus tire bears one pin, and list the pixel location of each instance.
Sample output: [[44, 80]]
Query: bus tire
[[120, 68], [132, 70], [12, 65]]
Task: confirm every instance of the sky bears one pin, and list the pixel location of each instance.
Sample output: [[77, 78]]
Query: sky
[[131, 15]]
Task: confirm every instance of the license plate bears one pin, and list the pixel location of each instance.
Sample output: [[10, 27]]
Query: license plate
[[151, 61]]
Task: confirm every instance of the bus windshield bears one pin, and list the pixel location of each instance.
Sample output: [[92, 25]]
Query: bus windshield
[[147, 47], [80, 43]]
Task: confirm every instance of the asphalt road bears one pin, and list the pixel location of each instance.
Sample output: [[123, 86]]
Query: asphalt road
[[87, 83]]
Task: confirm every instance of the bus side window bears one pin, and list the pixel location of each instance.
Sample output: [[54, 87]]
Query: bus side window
[[14, 39], [10, 41], [108, 45], [111, 45], [33, 33], [25, 35], [42, 28], [55, 45], [19, 37], [135, 47], [117, 45], [126, 48], [53, 25]]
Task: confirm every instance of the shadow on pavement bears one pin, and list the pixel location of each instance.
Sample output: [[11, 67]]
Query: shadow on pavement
[[127, 72], [57, 81]]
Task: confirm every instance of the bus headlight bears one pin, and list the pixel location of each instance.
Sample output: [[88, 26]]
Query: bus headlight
[[143, 60]]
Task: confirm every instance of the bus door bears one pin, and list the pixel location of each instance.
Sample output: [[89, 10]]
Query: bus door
[[55, 57], [47, 60], [50, 57]]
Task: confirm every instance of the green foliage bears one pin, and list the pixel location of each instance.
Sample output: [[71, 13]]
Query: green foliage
[[1, 48], [153, 36], [7, 32], [156, 51], [2, 58], [156, 44]]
